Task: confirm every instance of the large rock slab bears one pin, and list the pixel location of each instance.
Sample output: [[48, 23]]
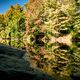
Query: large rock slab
[[13, 66], [7, 50]]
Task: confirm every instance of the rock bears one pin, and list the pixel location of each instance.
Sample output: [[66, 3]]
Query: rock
[[12, 63], [76, 76], [7, 50], [14, 67]]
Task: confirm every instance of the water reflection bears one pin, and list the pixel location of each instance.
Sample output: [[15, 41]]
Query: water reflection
[[14, 42]]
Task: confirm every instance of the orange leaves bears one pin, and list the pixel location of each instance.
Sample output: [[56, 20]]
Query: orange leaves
[[28, 13]]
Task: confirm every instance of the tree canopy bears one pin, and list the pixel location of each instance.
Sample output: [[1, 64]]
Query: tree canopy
[[52, 28]]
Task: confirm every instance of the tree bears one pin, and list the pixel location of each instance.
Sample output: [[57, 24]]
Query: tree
[[15, 20], [55, 19], [2, 26]]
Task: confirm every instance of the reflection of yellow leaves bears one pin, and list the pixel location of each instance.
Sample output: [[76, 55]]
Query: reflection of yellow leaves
[[43, 51], [36, 57], [49, 57], [48, 69], [46, 56], [65, 72], [33, 50]]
